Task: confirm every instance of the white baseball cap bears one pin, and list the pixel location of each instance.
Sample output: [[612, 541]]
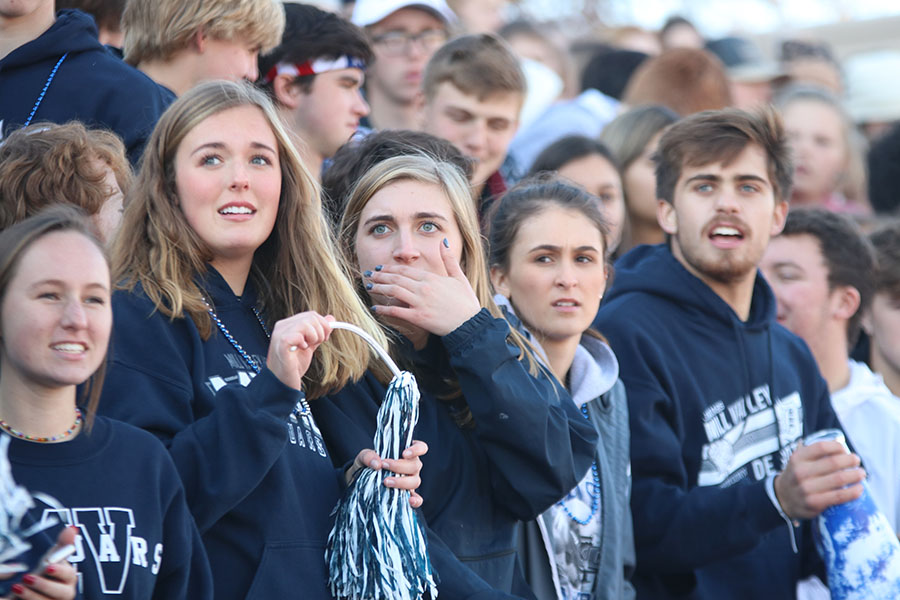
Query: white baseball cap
[[369, 12]]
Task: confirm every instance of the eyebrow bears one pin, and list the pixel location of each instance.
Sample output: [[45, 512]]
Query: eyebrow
[[221, 146], [711, 177], [417, 216], [552, 248], [61, 283], [786, 263]]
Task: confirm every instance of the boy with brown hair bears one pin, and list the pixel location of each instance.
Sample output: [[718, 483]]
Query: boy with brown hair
[[720, 395], [179, 43], [474, 89], [314, 77]]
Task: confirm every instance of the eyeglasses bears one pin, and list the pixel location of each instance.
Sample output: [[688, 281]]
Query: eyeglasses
[[397, 43]]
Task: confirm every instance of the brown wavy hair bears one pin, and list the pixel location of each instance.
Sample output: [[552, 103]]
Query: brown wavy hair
[[296, 269], [45, 164]]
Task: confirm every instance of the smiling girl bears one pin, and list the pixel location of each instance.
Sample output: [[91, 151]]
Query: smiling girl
[[115, 484]]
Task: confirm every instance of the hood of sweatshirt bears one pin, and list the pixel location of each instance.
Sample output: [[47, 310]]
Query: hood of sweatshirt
[[654, 270], [730, 363], [594, 369], [72, 32]]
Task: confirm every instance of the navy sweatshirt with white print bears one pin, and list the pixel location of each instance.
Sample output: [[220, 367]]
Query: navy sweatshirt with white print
[[117, 485], [258, 478], [717, 405]]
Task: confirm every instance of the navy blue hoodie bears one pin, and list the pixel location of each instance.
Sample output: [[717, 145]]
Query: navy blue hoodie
[[716, 405], [117, 484], [529, 446], [258, 479], [91, 85]]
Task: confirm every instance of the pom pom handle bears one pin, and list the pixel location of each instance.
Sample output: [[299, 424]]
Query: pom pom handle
[[381, 352]]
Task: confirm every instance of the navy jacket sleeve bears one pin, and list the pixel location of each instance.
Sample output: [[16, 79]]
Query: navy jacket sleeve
[[221, 455], [538, 442], [677, 527], [185, 570]]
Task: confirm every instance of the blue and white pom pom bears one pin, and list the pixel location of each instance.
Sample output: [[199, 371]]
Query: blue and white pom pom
[[377, 549]]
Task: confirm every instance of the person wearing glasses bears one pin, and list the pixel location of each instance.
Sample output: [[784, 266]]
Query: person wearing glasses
[[404, 35]]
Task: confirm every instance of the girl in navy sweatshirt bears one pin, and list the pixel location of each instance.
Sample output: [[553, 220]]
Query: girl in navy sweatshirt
[[548, 260], [506, 440], [112, 483], [222, 258]]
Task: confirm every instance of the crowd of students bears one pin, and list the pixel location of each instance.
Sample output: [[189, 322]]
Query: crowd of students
[[183, 217]]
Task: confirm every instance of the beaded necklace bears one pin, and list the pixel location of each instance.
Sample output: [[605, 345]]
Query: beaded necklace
[[595, 490], [41, 439], [44, 91], [251, 362]]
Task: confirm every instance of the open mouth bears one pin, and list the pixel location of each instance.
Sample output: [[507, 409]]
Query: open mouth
[[236, 210], [726, 236], [70, 347]]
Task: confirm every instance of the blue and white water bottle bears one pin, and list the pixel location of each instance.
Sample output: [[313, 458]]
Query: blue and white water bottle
[[860, 550]]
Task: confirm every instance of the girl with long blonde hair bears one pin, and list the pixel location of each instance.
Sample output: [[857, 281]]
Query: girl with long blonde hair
[[506, 441], [225, 268]]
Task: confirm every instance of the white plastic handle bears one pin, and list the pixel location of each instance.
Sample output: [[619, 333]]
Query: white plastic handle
[[371, 341]]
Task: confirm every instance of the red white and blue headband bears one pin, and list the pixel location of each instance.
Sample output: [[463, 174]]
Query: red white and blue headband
[[314, 67]]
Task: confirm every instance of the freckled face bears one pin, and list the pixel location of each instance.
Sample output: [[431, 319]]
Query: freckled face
[[404, 223]]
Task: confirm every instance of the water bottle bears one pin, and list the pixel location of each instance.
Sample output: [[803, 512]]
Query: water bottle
[[860, 550]]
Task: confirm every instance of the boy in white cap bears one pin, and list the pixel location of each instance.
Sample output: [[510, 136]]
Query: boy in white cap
[[404, 35]]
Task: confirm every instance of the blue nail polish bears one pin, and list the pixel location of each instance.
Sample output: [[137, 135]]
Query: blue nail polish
[[379, 267], [373, 308], [367, 273], [446, 243], [368, 286]]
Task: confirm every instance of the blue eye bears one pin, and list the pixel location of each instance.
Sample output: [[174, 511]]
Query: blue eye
[[379, 229], [429, 227], [260, 160], [210, 160]]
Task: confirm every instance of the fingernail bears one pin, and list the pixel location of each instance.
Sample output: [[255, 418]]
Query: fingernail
[[51, 569], [407, 453], [29, 579], [367, 273], [373, 308], [446, 243], [18, 589], [379, 267], [389, 482], [368, 286]]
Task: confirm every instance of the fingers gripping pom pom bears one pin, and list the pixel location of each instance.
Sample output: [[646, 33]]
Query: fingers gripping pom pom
[[377, 548]]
